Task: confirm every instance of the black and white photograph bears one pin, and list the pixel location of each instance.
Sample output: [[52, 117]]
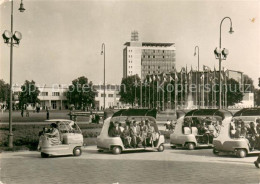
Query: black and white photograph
[[130, 91]]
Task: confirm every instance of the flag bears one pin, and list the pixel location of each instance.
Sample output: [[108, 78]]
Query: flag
[[171, 79], [202, 76], [206, 68], [158, 78], [182, 70], [150, 78]]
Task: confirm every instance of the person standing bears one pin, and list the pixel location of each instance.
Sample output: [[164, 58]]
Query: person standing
[[47, 113], [27, 112], [22, 112], [257, 161]]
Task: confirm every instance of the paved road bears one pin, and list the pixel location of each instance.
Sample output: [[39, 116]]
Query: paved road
[[170, 166]]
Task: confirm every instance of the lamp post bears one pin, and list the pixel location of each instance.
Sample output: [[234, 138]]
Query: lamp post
[[222, 55], [197, 83], [11, 38], [103, 52]]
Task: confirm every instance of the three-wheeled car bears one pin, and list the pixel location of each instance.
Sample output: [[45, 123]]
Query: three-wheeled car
[[241, 135], [141, 120], [70, 141], [198, 128]]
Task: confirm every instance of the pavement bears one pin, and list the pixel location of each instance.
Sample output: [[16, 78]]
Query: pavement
[[170, 166]]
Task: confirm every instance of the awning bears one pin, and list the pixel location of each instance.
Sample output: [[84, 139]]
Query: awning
[[209, 113], [136, 112], [248, 112]]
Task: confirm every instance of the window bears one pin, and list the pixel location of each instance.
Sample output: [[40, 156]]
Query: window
[[102, 95], [55, 93], [110, 95], [44, 94]]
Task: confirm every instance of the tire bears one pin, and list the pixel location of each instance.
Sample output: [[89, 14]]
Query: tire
[[161, 148], [44, 155], [190, 146], [241, 153], [77, 151], [173, 147], [116, 150], [215, 152]]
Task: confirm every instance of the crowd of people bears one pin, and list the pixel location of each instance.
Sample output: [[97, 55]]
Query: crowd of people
[[134, 134], [205, 129], [251, 131]]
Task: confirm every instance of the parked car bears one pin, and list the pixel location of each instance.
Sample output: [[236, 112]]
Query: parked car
[[197, 128], [240, 136], [116, 144], [71, 140]]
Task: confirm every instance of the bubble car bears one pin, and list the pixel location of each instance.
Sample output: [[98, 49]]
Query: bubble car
[[130, 130], [69, 142], [198, 128], [241, 135]]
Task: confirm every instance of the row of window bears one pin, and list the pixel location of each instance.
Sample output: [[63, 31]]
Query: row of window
[[158, 57], [109, 95], [157, 67], [53, 94], [157, 51]]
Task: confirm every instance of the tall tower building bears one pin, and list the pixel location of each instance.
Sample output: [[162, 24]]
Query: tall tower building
[[147, 58]]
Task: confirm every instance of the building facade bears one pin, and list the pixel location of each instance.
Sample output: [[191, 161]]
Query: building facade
[[55, 97], [146, 58]]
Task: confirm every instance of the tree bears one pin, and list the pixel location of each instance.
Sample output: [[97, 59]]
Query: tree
[[81, 93], [130, 89], [248, 84], [257, 97], [29, 94], [234, 93], [4, 91]]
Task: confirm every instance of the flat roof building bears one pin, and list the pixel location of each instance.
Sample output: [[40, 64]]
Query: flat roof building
[[146, 58]]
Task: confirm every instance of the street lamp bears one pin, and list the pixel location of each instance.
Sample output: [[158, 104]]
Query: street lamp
[[103, 52], [11, 39], [222, 55], [197, 83]]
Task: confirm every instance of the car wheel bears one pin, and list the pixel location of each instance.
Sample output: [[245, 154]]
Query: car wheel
[[215, 152], [77, 151], [241, 153], [173, 147], [161, 148], [44, 155], [117, 150], [190, 146]]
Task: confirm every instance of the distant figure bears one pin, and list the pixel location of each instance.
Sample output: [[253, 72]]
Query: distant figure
[[47, 114], [257, 161], [27, 113], [22, 112]]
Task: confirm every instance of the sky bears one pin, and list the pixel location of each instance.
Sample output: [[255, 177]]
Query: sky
[[62, 38]]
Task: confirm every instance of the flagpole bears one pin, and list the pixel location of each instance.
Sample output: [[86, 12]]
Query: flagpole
[[153, 92], [149, 94], [145, 94], [212, 92], [170, 95], [141, 93], [203, 100], [207, 90], [175, 94], [135, 90], [226, 91], [196, 75], [181, 91]]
